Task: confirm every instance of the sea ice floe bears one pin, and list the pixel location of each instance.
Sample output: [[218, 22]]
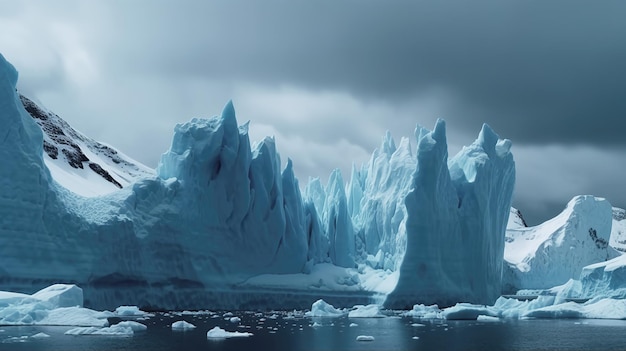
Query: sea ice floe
[[219, 333]]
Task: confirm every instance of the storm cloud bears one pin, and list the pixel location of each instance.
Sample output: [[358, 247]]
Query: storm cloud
[[329, 77]]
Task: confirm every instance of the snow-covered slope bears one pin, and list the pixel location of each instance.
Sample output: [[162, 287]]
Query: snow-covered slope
[[80, 164], [555, 251]]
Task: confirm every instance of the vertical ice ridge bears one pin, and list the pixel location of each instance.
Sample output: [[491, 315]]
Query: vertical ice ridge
[[457, 213]]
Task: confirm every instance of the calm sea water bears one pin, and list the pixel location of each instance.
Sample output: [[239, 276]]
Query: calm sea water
[[392, 333]]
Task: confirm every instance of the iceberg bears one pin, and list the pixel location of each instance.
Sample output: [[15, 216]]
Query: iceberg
[[58, 304], [457, 216], [220, 224], [321, 308], [424, 312]]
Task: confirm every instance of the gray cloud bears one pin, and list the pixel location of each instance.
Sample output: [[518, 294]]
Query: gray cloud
[[330, 77], [528, 68]]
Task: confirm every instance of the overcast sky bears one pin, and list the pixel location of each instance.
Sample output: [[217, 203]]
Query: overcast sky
[[328, 78]]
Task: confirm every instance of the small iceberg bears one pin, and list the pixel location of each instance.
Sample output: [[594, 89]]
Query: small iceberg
[[219, 333], [183, 325]]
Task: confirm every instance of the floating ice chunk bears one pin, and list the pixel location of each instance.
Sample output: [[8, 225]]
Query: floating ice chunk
[[227, 314], [135, 326], [23, 338], [219, 333], [129, 311], [364, 338], [321, 308], [353, 325], [418, 325], [182, 325], [40, 336], [423, 311], [415, 337], [235, 319], [483, 318], [114, 330], [467, 311], [316, 325], [369, 311]]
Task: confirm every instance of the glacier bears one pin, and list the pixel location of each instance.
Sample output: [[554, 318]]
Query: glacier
[[220, 224]]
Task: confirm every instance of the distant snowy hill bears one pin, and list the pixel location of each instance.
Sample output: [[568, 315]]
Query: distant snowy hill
[[553, 252], [80, 164]]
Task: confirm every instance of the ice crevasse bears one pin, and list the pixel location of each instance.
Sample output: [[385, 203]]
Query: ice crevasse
[[220, 211]]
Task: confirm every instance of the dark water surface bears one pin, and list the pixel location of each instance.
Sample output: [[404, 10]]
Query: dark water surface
[[285, 333]]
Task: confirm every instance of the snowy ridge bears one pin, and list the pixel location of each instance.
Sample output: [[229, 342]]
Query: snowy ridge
[[555, 251], [79, 163]]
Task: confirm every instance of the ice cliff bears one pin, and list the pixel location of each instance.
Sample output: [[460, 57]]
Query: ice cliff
[[457, 215], [220, 224], [216, 213]]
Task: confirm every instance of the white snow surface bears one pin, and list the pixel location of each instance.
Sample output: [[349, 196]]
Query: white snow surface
[[79, 163], [515, 219]]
